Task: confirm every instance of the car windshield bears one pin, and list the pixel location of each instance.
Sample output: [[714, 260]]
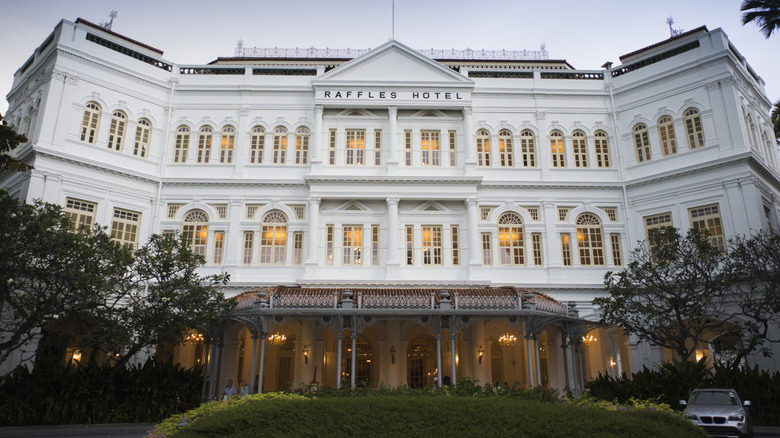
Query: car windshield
[[714, 398]]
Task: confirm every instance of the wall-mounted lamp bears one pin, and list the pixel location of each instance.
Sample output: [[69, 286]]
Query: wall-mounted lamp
[[481, 353], [392, 354], [305, 354]]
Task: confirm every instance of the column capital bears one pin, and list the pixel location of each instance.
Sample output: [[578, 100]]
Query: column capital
[[392, 111], [315, 201], [319, 109], [467, 110], [472, 202], [393, 200]]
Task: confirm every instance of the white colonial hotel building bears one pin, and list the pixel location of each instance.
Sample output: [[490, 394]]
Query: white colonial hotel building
[[395, 216]]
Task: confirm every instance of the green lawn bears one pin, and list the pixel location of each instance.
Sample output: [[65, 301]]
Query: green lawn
[[414, 416]]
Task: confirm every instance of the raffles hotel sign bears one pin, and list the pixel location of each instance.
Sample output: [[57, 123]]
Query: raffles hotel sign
[[444, 97]]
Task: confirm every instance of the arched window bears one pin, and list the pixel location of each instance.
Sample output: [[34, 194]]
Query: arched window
[[483, 148], [116, 132], [227, 144], [280, 145], [666, 136], [204, 144], [602, 149], [195, 230], [590, 240], [257, 145], [505, 149], [641, 143], [557, 149], [142, 134], [273, 245], [693, 128], [580, 146], [511, 240], [528, 148], [182, 144], [302, 146], [89, 123]]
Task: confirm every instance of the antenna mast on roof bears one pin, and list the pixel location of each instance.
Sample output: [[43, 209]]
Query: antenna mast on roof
[[672, 31], [392, 30], [107, 25]]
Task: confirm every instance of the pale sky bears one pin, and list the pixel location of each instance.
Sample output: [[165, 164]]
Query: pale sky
[[586, 34]]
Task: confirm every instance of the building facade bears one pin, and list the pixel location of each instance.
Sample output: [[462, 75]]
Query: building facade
[[398, 217]]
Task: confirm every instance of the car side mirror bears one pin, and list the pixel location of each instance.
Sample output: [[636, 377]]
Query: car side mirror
[[683, 403], [746, 403]]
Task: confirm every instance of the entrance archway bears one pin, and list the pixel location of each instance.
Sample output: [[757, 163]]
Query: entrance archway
[[421, 362]]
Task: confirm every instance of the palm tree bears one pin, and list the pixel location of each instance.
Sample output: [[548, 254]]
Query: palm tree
[[765, 13], [775, 118]]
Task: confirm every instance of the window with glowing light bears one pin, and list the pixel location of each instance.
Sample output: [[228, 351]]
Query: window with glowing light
[[356, 147], [280, 145], [205, 136], [511, 240], [302, 146], [89, 123], [219, 247], [557, 150], [273, 245], [116, 131], [430, 153], [590, 241], [227, 144], [566, 249], [431, 245], [195, 231], [352, 245], [505, 149], [483, 148]]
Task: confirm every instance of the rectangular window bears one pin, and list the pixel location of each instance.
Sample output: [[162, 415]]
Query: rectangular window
[[219, 247], [377, 147], [356, 147], [297, 248], [300, 211], [536, 241], [455, 245], [611, 213], [251, 209], [453, 148], [653, 222], [487, 251], [708, 218], [182, 146], [280, 146], [249, 241], [332, 147], [173, 209], [408, 147], [374, 245], [409, 245], [484, 213], [429, 148], [533, 212], [124, 227], [563, 213], [80, 213], [329, 245], [566, 249], [302, 146], [431, 245], [617, 254], [204, 146], [352, 245]]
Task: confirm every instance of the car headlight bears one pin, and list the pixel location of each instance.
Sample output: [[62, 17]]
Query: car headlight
[[736, 417], [691, 417]]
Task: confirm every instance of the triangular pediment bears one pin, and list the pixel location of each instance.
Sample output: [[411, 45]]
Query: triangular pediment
[[390, 63], [430, 206], [356, 113], [352, 206]]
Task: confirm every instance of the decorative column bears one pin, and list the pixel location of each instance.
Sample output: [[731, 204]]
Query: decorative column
[[313, 239], [468, 135], [254, 355], [536, 355], [316, 140], [452, 355], [262, 363], [438, 357], [339, 338], [354, 357], [565, 351], [233, 237], [240, 146], [392, 161], [472, 219], [393, 266], [206, 370], [529, 356]]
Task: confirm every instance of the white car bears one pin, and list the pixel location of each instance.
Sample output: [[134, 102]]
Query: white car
[[720, 412]]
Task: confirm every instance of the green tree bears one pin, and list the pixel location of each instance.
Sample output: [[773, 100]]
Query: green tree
[[775, 118], [9, 140], [764, 13], [670, 294], [47, 271], [164, 297]]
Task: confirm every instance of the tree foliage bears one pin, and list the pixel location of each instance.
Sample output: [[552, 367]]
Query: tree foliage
[[775, 118], [683, 292], [9, 140], [765, 14], [669, 294]]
